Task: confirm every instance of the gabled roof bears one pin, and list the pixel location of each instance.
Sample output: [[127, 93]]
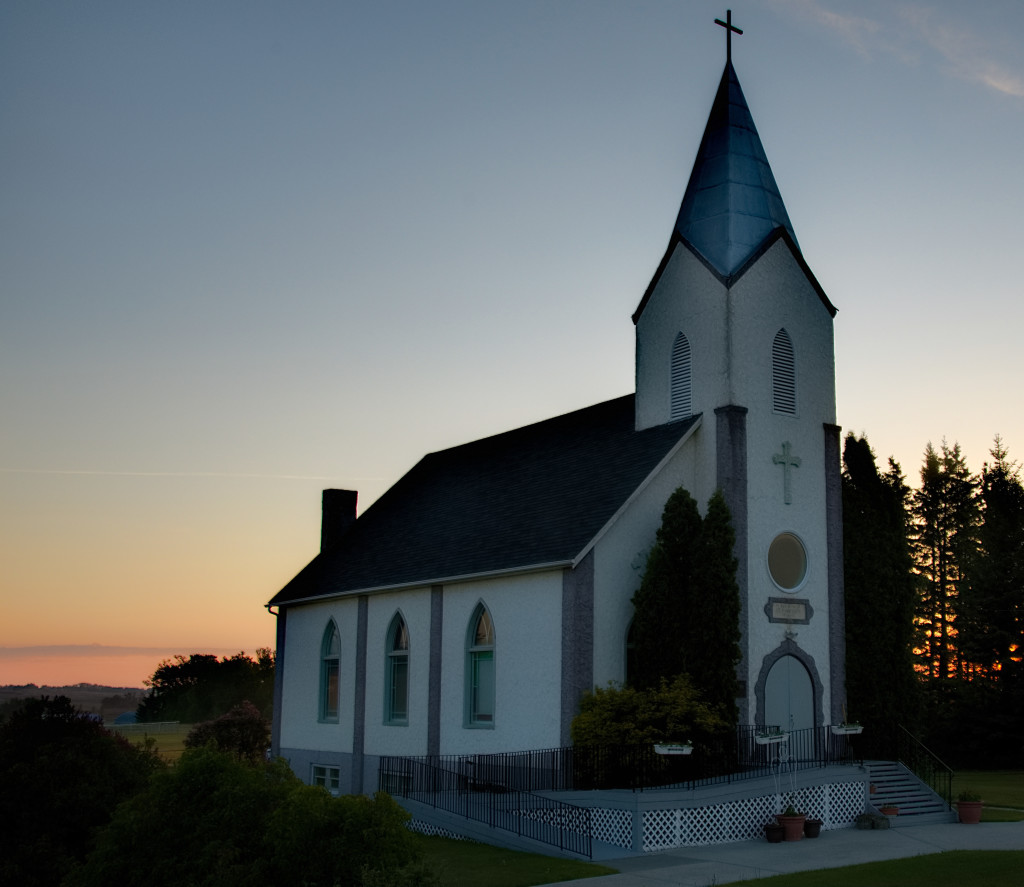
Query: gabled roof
[[532, 497], [732, 203]]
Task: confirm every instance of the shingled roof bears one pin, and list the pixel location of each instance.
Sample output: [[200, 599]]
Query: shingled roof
[[531, 497]]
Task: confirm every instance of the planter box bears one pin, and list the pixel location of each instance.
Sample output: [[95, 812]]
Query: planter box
[[846, 729], [673, 748], [771, 738]]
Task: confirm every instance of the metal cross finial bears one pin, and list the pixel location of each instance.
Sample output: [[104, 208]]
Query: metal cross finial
[[729, 29]]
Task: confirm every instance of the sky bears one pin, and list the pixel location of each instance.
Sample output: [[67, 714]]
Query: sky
[[252, 250]]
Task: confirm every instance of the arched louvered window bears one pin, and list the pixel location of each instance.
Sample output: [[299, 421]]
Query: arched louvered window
[[681, 397], [330, 673], [396, 703], [480, 669], [783, 374]]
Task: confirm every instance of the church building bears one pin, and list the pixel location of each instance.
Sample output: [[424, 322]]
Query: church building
[[470, 607]]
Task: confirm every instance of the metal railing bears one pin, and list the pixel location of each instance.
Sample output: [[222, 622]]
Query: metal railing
[[723, 759], [456, 784], [924, 764]]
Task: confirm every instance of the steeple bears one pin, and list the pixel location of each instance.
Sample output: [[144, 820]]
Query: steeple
[[732, 203]]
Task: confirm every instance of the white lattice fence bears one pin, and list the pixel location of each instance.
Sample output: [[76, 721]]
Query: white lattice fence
[[613, 827], [836, 805]]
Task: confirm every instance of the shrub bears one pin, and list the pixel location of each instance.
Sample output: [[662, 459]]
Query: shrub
[[671, 712], [61, 777], [243, 732]]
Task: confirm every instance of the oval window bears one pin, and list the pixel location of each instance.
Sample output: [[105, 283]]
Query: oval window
[[787, 561]]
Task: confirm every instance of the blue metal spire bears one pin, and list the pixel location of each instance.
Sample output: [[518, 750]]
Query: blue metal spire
[[732, 203]]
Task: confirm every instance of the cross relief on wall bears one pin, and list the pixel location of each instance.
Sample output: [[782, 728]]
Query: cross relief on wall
[[788, 461]]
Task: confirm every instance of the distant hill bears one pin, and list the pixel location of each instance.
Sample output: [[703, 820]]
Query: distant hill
[[107, 702]]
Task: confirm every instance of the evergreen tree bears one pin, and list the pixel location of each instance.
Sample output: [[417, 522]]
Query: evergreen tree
[[880, 591], [687, 607], [713, 627], [664, 600], [945, 518], [992, 609]]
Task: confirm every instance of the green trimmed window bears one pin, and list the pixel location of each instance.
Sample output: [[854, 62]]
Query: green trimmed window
[[330, 673], [396, 688], [480, 670]]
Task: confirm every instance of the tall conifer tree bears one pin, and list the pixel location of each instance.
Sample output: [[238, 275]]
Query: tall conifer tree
[[945, 513], [880, 683]]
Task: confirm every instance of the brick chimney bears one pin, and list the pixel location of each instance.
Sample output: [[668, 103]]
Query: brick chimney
[[339, 513]]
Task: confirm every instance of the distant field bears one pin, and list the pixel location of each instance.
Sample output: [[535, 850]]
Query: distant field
[[167, 739]]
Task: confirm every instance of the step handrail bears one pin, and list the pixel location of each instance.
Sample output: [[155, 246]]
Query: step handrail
[[925, 764]]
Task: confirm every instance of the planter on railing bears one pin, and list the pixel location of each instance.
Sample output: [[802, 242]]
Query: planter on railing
[[673, 748], [846, 729]]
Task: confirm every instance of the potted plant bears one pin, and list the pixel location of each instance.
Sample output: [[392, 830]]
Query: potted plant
[[768, 737], [968, 807], [851, 728], [774, 832], [812, 828], [889, 810], [792, 822]]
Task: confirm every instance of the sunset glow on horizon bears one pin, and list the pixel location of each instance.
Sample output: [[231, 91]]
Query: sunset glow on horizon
[[252, 250]]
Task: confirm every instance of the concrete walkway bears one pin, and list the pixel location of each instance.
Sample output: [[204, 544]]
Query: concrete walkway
[[725, 863]]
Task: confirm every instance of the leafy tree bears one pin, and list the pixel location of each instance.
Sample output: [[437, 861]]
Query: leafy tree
[[61, 777], [687, 607], [945, 518], [671, 712], [880, 591], [201, 687], [215, 821], [243, 732]]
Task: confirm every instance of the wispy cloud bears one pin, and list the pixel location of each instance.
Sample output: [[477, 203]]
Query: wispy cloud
[[78, 651], [917, 30], [967, 54]]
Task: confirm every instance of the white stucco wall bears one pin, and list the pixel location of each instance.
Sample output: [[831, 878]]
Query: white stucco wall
[[526, 613], [395, 739], [300, 726]]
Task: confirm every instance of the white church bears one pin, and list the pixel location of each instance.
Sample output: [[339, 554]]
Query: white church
[[470, 607]]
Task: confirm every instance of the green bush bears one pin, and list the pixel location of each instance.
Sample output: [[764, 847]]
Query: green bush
[[217, 821], [674, 711], [243, 732], [61, 777]]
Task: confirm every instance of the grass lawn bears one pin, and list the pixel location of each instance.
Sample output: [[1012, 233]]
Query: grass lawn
[[465, 864], [955, 868], [168, 740], [998, 788]]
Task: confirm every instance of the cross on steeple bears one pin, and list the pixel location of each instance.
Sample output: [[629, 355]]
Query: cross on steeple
[[729, 29], [787, 460]]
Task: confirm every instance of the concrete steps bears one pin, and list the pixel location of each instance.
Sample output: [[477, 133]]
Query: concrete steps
[[896, 785]]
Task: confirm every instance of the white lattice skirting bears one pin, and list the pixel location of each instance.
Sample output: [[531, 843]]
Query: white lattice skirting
[[837, 805]]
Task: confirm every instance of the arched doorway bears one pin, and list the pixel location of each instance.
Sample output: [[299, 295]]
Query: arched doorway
[[789, 695]]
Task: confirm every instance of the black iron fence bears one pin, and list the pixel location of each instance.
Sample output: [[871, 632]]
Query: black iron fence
[[744, 754], [455, 785]]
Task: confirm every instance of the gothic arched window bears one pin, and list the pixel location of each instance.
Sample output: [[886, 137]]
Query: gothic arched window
[[330, 673], [480, 669], [396, 687], [682, 403], [783, 374]]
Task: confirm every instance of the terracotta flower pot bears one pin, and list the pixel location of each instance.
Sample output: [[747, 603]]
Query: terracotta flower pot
[[889, 810], [793, 826], [969, 811]]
